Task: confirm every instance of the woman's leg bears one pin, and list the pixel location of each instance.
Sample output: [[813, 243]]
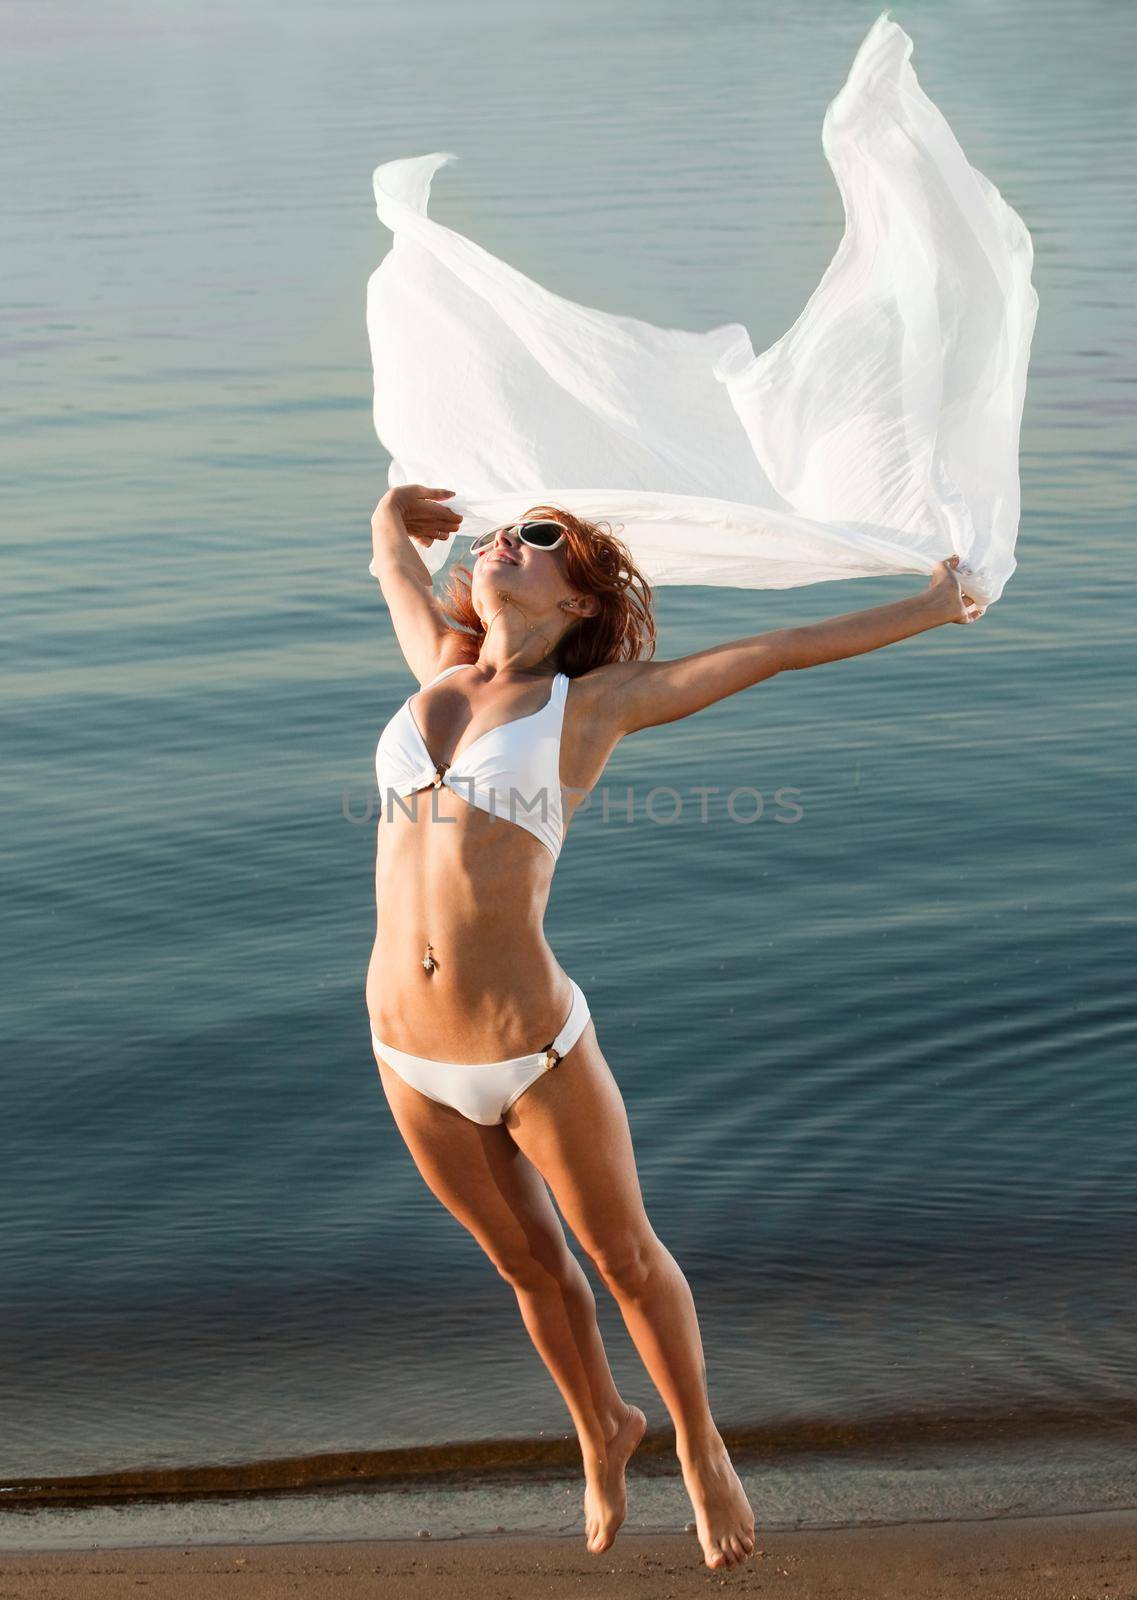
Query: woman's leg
[[485, 1181], [573, 1127]]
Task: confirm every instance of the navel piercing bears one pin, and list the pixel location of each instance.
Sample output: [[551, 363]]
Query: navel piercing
[[428, 959]]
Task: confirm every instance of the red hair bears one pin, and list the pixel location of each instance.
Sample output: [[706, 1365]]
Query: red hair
[[597, 563]]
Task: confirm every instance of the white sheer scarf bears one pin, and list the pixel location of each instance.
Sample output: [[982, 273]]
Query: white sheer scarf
[[880, 434]]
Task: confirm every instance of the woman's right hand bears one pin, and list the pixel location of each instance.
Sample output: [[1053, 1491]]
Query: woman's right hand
[[412, 509]]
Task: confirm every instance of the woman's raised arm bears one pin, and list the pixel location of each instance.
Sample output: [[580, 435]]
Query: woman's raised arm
[[405, 513], [642, 694]]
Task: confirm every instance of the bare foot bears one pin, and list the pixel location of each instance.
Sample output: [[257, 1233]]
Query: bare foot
[[605, 1494], [724, 1520]]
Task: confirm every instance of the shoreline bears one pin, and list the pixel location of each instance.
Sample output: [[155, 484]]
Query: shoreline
[[1090, 1554], [837, 1490], [473, 1461]]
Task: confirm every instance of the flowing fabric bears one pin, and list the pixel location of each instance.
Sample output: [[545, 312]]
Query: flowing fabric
[[880, 434]]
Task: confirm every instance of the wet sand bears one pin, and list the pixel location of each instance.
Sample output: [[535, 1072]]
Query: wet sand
[[1092, 1556]]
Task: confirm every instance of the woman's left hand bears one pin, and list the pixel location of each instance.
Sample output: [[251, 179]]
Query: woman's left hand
[[948, 587]]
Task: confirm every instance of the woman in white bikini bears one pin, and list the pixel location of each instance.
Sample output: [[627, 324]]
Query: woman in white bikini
[[485, 1046]]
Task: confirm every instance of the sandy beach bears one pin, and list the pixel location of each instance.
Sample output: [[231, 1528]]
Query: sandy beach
[[1089, 1556]]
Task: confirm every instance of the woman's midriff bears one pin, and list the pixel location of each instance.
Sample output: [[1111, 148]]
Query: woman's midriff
[[476, 888]]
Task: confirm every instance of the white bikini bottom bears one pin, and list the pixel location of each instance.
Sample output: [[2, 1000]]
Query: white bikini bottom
[[483, 1091]]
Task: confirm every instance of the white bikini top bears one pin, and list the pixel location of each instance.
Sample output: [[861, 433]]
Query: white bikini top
[[511, 771]]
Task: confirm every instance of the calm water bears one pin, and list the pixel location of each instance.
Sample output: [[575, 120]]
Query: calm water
[[878, 1061]]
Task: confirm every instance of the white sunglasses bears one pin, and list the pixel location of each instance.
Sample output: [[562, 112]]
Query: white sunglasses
[[542, 534]]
